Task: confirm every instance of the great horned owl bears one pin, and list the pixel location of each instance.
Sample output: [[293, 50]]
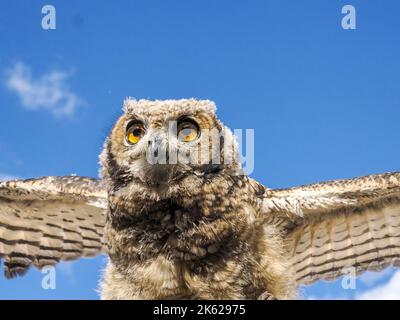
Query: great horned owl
[[179, 219]]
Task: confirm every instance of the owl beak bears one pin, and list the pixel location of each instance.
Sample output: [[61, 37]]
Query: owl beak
[[155, 145], [159, 172], [157, 151]]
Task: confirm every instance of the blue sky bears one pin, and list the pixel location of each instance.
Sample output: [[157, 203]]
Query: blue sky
[[324, 102]]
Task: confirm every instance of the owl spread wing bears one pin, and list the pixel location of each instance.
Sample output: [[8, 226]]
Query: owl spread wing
[[46, 220], [340, 224]]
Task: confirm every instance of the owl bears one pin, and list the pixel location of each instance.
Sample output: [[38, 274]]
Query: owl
[[179, 219]]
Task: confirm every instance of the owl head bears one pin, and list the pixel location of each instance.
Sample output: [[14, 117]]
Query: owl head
[[159, 144]]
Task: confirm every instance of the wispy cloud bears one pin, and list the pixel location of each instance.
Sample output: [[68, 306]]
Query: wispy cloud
[[388, 291], [371, 278], [66, 268], [48, 92], [5, 176]]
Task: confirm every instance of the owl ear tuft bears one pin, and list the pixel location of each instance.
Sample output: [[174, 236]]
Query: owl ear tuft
[[144, 105], [210, 105], [129, 104]]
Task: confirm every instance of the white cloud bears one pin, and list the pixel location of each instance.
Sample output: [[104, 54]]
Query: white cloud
[[327, 297], [4, 177], [388, 291], [66, 267], [49, 91], [370, 278]]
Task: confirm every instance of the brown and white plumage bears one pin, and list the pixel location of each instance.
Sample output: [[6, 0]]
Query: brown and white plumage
[[44, 221], [190, 230], [341, 224]]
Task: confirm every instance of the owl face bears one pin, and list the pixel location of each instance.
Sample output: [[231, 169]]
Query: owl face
[[160, 143]]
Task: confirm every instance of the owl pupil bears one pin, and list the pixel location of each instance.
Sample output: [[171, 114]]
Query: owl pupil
[[137, 132]]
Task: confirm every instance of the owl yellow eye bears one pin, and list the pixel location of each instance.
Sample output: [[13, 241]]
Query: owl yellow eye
[[187, 131], [134, 133]]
